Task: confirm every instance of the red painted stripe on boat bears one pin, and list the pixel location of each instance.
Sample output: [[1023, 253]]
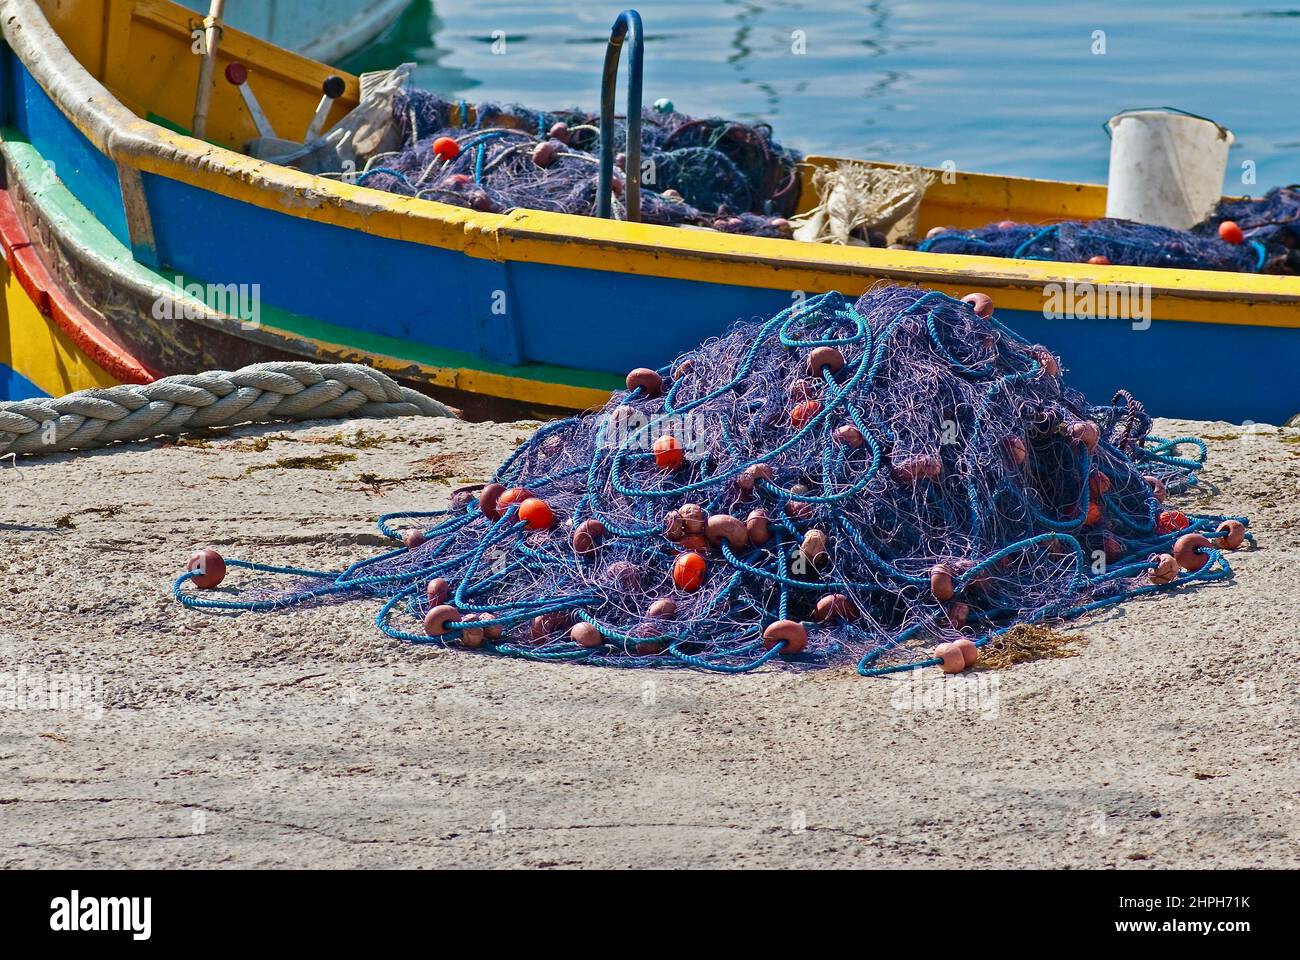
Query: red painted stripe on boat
[[53, 301]]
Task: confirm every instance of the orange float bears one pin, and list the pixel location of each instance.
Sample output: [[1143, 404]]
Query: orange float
[[1234, 534], [1188, 551], [536, 514], [208, 567], [446, 148], [970, 653], [668, 452], [1164, 569], [512, 496], [688, 571], [647, 381], [951, 657], [1171, 521], [802, 413], [788, 632]]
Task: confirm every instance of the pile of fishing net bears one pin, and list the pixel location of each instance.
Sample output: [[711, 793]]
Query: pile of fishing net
[[891, 483], [709, 173], [1250, 235]]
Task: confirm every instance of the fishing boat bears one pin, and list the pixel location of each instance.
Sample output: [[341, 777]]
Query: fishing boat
[[115, 220]]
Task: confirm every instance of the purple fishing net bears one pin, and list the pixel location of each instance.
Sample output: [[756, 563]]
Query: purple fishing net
[[1270, 236], [704, 172], [856, 482]]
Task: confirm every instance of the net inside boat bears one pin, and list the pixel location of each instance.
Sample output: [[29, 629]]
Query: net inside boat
[[1265, 239], [704, 172], [853, 482]]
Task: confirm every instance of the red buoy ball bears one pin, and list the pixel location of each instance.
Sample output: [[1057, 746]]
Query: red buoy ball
[[802, 413], [437, 590], [436, 620], [981, 303], [688, 571], [647, 381], [824, 358], [446, 148], [1187, 551], [585, 635], [208, 567], [544, 153], [787, 632], [412, 538], [668, 452], [536, 514], [1231, 232], [1099, 261], [849, 435], [489, 500], [1164, 568], [587, 537], [1171, 521], [512, 496], [1234, 534]]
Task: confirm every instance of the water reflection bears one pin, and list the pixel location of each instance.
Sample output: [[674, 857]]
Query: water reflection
[[414, 38]]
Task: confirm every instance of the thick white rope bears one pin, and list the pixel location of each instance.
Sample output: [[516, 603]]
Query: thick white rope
[[289, 390]]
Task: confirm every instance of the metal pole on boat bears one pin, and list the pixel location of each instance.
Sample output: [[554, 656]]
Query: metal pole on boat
[[628, 25], [211, 40], [331, 90]]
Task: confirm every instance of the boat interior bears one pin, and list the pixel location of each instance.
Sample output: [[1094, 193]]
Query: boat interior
[[143, 51]]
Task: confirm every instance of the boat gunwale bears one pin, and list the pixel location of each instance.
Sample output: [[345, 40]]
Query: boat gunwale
[[566, 239]]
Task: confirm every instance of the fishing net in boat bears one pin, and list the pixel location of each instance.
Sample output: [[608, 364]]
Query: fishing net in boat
[[703, 172], [1251, 235], [889, 483]]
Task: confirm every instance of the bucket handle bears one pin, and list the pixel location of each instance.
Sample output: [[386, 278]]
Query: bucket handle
[[628, 25], [1223, 131]]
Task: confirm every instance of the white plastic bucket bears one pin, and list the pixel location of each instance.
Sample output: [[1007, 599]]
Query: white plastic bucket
[[1165, 168]]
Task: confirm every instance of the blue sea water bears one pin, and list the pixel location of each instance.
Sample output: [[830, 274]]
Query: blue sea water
[[998, 86]]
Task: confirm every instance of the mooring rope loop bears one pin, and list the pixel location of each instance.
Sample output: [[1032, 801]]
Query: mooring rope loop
[[258, 393]]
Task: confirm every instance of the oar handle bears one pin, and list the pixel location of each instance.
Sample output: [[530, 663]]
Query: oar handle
[[626, 27]]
